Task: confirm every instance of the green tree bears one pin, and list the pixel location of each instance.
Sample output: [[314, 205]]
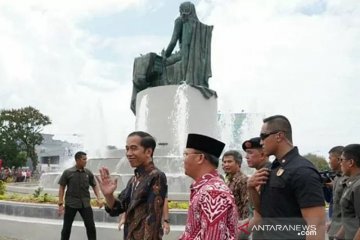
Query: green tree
[[20, 131], [8, 149], [319, 161]]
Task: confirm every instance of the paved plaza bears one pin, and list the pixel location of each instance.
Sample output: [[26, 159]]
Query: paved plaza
[[27, 228]]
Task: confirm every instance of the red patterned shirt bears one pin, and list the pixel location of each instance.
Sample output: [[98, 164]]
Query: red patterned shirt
[[212, 212]]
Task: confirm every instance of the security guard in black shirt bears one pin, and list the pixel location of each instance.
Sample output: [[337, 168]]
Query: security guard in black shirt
[[291, 202]]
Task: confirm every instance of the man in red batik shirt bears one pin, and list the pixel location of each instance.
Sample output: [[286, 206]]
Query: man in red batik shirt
[[212, 213]]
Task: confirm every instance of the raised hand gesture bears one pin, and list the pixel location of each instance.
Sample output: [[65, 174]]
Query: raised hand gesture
[[106, 184], [260, 177]]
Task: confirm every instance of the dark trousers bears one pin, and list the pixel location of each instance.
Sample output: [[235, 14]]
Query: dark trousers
[[88, 218]]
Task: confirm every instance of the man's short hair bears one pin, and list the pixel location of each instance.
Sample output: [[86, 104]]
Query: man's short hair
[[79, 154], [352, 151], [337, 150], [147, 141], [237, 156], [281, 123]]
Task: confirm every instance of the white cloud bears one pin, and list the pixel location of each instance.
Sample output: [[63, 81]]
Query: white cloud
[[283, 61], [45, 62], [71, 9], [300, 58]]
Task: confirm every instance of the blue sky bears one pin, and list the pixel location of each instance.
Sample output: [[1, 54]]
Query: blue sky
[[73, 61]]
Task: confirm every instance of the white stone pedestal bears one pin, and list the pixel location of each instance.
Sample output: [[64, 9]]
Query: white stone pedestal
[[170, 112]]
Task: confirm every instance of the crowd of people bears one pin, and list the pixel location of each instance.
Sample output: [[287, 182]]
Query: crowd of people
[[15, 174], [283, 199]]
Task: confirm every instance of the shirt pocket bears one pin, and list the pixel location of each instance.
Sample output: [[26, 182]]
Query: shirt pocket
[[277, 183], [84, 180]]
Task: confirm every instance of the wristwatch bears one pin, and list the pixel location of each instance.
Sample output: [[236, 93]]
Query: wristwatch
[[60, 204], [167, 220]]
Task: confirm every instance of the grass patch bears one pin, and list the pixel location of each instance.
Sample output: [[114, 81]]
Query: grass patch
[[178, 205], [2, 187], [29, 198], [37, 197], [40, 197], [49, 199]]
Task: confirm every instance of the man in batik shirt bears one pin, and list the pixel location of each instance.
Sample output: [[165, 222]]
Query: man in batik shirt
[[143, 198], [212, 212], [237, 182]]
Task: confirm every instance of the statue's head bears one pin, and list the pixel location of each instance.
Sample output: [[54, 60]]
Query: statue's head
[[187, 11]]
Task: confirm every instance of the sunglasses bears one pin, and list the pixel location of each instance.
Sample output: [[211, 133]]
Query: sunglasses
[[263, 136]]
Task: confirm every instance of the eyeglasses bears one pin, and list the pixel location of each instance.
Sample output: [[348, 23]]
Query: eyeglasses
[[263, 136], [185, 154]]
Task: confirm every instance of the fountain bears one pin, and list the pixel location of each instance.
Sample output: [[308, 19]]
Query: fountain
[[168, 113], [172, 112], [171, 98], [238, 127], [165, 112], [235, 128]]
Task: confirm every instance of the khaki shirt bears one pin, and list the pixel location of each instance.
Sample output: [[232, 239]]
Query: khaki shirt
[[77, 182], [350, 206], [338, 189]]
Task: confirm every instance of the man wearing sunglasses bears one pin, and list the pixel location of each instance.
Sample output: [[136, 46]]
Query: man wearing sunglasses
[[291, 202]]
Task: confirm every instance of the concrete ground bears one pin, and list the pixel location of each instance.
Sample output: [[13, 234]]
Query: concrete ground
[[25, 228]]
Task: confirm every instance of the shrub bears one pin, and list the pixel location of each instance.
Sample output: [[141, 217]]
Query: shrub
[[37, 192], [2, 187], [178, 205], [43, 198]]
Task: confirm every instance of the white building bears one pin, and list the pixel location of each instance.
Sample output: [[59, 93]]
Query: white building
[[54, 153]]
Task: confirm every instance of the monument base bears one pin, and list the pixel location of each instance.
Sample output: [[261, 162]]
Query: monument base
[[170, 112]]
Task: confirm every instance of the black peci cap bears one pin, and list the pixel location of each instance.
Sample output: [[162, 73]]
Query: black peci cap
[[205, 144], [252, 143]]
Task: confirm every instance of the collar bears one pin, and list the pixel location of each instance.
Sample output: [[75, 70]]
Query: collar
[[203, 180], [352, 179], [142, 170], [79, 169], [289, 156], [230, 177], [266, 164], [339, 173], [75, 169]]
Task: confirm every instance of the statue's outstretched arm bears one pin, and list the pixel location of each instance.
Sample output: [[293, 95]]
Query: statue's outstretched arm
[[175, 37]]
